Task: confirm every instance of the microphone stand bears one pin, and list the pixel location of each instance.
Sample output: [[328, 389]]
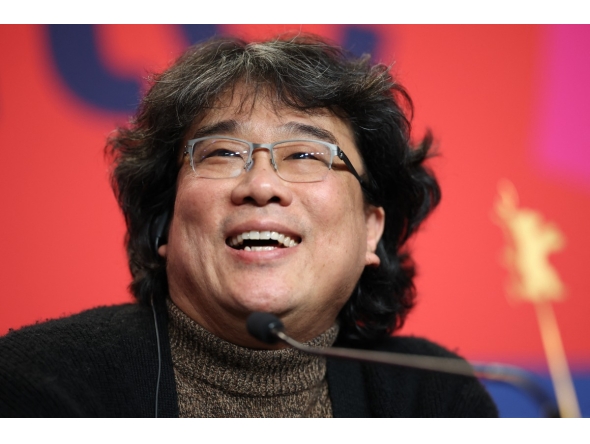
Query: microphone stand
[[268, 328]]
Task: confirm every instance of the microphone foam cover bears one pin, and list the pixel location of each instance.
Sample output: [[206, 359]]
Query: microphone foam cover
[[260, 326]]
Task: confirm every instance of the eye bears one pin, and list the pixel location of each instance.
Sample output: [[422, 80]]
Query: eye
[[303, 152], [222, 152], [219, 150], [301, 156]]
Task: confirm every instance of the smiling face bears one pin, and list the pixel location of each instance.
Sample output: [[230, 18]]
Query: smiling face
[[333, 234]]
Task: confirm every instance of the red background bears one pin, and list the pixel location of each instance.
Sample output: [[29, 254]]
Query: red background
[[487, 92]]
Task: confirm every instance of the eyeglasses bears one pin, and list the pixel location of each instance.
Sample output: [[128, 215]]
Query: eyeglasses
[[296, 160]]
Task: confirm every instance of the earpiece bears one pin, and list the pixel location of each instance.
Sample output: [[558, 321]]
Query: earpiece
[[159, 233]]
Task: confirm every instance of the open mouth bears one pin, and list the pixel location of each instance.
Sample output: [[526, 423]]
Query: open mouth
[[261, 241]]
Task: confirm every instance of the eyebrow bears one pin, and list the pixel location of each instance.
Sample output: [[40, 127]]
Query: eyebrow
[[231, 127], [312, 131], [225, 127]]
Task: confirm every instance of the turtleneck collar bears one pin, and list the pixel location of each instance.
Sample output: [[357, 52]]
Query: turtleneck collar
[[202, 357]]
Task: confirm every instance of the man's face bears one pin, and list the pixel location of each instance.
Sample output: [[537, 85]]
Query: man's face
[[307, 284]]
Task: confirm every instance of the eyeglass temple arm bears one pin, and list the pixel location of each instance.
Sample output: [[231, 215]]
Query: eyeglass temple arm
[[347, 162], [364, 184]]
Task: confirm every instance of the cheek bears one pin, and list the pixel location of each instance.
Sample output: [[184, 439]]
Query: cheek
[[194, 208], [337, 211]]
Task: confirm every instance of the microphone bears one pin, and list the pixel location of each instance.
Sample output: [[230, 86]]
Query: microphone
[[269, 329], [264, 327]]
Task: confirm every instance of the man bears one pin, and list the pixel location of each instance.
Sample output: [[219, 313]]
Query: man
[[268, 177]]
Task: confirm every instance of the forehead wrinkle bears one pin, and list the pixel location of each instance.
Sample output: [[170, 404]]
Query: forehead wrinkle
[[233, 127], [297, 128]]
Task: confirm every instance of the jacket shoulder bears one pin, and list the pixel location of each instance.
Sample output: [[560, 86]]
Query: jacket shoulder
[[413, 345], [396, 391], [428, 393], [89, 329], [67, 366]]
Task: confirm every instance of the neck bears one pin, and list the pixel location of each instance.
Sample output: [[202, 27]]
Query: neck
[[231, 326]]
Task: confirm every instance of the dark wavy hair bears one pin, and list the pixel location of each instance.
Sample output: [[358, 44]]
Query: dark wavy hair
[[306, 73]]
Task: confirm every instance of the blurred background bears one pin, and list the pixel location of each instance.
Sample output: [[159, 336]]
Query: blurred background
[[509, 107]]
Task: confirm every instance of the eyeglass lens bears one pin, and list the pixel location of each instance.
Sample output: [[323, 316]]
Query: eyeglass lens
[[295, 161]]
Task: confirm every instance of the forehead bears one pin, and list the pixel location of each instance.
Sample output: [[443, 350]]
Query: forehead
[[248, 112]]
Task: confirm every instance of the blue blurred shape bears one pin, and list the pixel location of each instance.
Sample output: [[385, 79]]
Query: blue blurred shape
[[359, 40], [76, 57], [77, 60], [197, 33], [514, 403]]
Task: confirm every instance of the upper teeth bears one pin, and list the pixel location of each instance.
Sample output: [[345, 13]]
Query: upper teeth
[[235, 241]]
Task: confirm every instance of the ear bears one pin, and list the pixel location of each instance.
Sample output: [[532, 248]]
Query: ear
[[162, 250], [375, 220]]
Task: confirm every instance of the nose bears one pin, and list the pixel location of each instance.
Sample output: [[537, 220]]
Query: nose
[[261, 185]]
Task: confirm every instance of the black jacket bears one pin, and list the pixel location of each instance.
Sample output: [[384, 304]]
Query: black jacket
[[104, 363]]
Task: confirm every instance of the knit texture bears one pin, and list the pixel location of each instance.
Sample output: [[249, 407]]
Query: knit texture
[[99, 363], [215, 378], [104, 362]]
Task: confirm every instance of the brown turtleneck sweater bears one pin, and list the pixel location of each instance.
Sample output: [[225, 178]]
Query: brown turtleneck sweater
[[215, 378]]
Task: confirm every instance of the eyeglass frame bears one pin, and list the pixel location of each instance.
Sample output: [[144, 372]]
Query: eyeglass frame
[[335, 151]]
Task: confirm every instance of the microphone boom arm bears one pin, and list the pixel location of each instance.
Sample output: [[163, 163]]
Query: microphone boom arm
[[269, 329], [432, 363]]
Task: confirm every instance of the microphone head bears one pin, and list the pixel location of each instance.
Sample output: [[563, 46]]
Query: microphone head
[[260, 325]]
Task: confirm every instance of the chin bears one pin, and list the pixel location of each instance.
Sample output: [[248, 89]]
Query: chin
[[267, 301]]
